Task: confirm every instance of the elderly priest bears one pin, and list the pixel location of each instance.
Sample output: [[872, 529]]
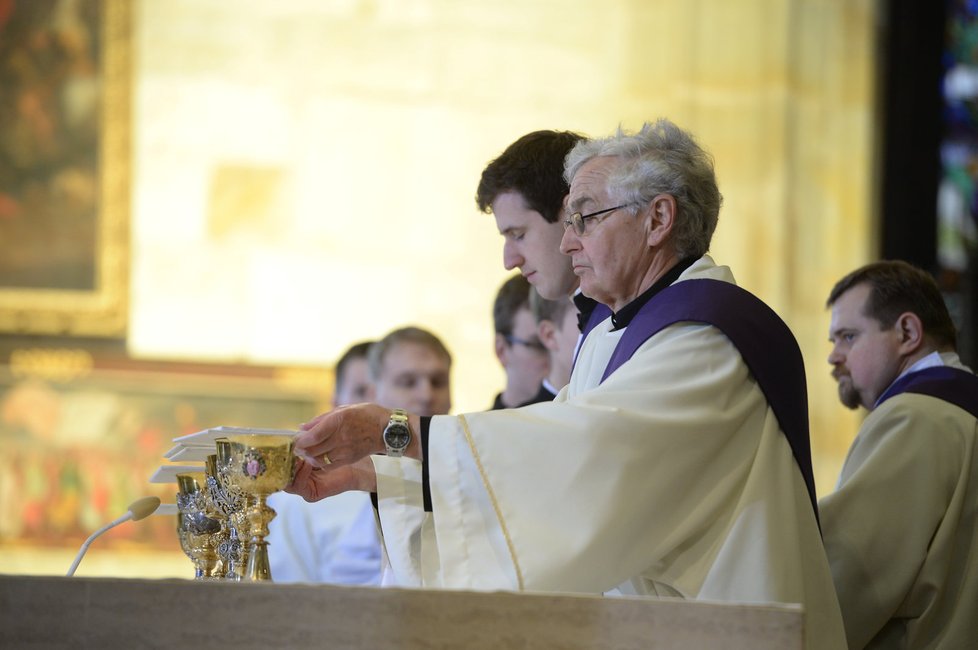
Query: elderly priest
[[675, 463]]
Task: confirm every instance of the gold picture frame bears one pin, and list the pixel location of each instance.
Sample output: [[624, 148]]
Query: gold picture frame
[[29, 305]]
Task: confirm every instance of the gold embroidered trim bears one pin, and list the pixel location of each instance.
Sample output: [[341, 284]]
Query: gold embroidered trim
[[492, 498]]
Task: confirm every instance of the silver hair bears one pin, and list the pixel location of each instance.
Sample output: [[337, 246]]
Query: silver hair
[[660, 158]]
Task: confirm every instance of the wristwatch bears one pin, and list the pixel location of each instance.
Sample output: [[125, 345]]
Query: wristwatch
[[397, 433]]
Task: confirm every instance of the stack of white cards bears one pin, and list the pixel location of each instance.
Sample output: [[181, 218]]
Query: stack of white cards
[[196, 447]]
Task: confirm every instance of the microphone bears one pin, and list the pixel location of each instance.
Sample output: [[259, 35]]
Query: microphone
[[138, 509]]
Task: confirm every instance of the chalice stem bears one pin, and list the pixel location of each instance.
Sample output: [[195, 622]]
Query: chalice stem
[[259, 516]]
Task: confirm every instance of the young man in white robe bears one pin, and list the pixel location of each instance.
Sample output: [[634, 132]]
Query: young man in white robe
[[660, 469], [328, 541], [335, 540], [901, 529]]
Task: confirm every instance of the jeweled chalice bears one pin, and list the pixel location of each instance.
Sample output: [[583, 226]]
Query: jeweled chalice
[[237, 517], [198, 533], [225, 505], [258, 465]]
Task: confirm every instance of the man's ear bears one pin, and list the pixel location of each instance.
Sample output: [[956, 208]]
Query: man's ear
[[911, 331], [663, 208], [547, 332], [501, 349]]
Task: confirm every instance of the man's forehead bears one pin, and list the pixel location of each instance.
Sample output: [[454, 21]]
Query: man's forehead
[[412, 356], [508, 202], [517, 221], [524, 320], [590, 182], [848, 310], [853, 300]]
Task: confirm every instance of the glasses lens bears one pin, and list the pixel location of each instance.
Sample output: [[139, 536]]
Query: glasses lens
[[533, 344], [579, 224]]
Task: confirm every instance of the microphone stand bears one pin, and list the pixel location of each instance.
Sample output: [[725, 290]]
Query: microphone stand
[[139, 509]]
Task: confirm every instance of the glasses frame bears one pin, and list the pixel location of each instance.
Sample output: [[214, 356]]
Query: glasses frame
[[579, 221], [533, 345]]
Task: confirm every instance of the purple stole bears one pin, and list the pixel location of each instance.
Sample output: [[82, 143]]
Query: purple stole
[[764, 341], [598, 314], [949, 384]]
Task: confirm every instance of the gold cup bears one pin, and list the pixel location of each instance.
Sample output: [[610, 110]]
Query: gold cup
[[237, 518], [258, 465], [199, 534], [225, 505]]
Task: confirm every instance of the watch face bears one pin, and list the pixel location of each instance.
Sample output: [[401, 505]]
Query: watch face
[[397, 436]]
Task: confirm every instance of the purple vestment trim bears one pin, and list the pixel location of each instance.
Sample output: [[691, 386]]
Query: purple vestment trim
[[764, 341], [598, 314], [952, 385]]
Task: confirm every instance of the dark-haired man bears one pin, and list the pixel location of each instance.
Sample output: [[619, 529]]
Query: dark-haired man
[[524, 189], [900, 530], [518, 349], [557, 329]]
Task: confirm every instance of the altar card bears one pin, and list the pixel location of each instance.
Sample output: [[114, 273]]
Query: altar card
[[195, 447], [168, 473]]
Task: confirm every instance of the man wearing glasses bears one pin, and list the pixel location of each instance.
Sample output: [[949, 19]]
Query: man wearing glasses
[[519, 350], [675, 463]]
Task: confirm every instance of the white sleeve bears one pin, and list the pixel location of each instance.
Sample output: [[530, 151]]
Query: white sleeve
[[455, 546], [401, 509]]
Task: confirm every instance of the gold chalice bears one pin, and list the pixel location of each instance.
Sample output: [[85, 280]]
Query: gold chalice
[[238, 516], [258, 465], [223, 504], [199, 534]]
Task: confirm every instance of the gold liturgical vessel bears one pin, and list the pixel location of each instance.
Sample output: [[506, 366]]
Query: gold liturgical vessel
[[257, 465], [199, 534], [237, 517], [225, 505]]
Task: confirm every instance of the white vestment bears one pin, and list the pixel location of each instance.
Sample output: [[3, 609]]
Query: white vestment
[[332, 540], [670, 478], [900, 530]]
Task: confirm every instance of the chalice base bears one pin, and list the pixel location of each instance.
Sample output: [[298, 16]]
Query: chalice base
[[239, 568], [207, 568], [258, 567]]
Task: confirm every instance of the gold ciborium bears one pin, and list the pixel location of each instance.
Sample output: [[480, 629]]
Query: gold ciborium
[[199, 534], [259, 465]]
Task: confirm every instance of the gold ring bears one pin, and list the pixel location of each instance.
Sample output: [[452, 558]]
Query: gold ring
[[325, 459]]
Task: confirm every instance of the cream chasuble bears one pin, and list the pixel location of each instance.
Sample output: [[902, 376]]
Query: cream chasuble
[[900, 528], [670, 478]]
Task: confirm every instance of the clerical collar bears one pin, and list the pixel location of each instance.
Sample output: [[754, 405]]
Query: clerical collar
[[624, 316], [932, 360], [584, 306]]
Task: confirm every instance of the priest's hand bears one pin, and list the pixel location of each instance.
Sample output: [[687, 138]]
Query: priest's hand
[[314, 483], [343, 435], [348, 434]]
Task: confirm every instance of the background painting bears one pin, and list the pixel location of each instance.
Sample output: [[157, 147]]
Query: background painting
[[79, 447], [63, 166]]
